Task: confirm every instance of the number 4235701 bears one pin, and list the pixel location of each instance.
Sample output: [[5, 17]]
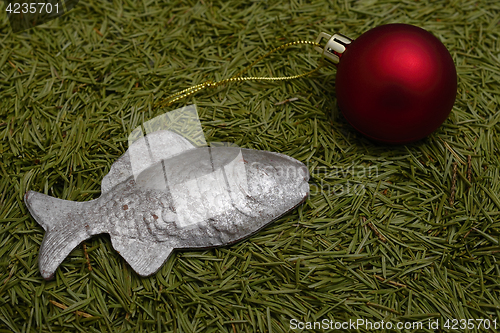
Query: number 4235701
[[462, 324], [32, 8]]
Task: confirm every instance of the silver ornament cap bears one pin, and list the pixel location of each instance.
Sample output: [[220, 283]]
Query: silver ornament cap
[[334, 48]]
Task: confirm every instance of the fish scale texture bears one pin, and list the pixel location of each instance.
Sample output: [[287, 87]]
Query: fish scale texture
[[197, 198]]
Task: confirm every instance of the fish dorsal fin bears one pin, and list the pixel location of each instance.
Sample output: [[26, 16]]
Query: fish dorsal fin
[[145, 257], [143, 153]]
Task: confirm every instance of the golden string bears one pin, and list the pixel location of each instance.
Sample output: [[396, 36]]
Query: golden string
[[169, 100]]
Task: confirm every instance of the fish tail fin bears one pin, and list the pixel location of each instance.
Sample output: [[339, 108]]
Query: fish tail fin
[[64, 228]]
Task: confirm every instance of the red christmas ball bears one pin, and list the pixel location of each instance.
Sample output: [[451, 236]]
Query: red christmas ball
[[396, 83]]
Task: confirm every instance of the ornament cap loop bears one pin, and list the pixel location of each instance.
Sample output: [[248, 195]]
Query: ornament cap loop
[[334, 48]]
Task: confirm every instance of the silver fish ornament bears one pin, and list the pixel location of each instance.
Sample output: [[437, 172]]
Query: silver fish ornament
[[189, 198]]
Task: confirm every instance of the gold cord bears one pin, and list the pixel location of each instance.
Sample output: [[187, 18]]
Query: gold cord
[[237, 77]]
